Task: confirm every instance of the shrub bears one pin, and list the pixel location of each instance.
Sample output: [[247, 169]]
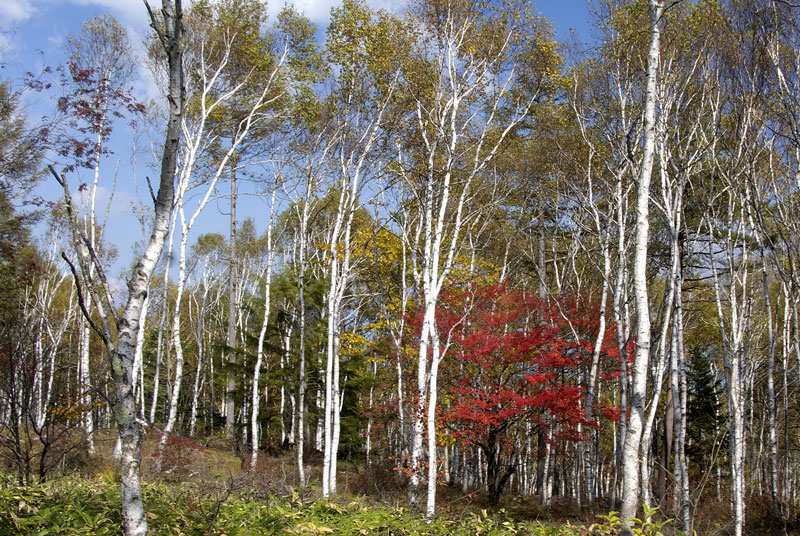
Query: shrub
[[178, 455], [80, 506]]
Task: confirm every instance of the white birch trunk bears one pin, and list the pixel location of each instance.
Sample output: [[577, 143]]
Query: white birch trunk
[[299, 420], [162, 324], [138, 359], [631, 481], [772, 403], [86, 384], [261, 335], [433, 465]]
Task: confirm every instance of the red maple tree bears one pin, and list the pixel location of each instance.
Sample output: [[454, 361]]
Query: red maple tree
[[514, 358]]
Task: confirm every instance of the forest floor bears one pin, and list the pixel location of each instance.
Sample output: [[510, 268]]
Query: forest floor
[[204, 487]]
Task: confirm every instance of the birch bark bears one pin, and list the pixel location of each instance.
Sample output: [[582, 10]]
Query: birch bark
[[631, 475], [261, 336], [121, 343]]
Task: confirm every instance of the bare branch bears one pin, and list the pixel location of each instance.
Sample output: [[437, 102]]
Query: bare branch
[[81, 300]]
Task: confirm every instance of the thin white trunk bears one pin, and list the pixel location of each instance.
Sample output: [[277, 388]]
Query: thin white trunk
[[368, 445], [86, 384], [680, 431], [630, 471], [336, 413], [547, 473], [138, 357], [261, 335], [419, 410], [772, 402], [433, 462], [787, 314], [196, 393], [301, 366], [162, 323], [588, 462], [328, 476], [622, 320]]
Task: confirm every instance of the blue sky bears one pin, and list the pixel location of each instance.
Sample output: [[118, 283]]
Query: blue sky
[[33, 33]]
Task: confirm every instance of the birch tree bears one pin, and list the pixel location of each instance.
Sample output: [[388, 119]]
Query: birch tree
[[464, 108], [267, 276], [631, 475], [217, 50], [359, 46], [120, 343]]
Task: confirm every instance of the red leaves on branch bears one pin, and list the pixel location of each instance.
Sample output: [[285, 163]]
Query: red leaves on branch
[[514, 357], [89, 107], [515, 365]]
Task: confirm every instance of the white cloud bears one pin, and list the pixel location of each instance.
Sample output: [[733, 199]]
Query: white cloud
[[128, 12], [319, 11], [120, 203], [14, 11], [133, 12]]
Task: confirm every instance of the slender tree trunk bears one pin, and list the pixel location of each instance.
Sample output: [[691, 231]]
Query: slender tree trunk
[[230, 341], [261, 336], [161, 326], [787, 314], [368, 445], [772, 401], [336, 412], [419, 407], [196, 388], [138, 360], [589, 466], [86, 385], [301, 366], [547, 469], [622, 321], [631, 482], [682, 461], [288, 429], [433, 466], [331, 396]]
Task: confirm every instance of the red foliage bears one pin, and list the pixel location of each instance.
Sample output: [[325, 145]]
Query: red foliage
[[87, 112], [512, 360], [513, 356], [178, 454]]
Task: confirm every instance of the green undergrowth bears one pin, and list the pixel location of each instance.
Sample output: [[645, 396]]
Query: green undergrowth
[[74, 505]]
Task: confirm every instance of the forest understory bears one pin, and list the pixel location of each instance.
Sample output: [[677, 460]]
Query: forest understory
[[203, 487]]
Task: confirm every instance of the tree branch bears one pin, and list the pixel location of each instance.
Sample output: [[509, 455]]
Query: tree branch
[[81, 301]]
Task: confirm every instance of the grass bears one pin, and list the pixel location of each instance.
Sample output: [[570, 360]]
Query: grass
[[203, 489], [80, 505]]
